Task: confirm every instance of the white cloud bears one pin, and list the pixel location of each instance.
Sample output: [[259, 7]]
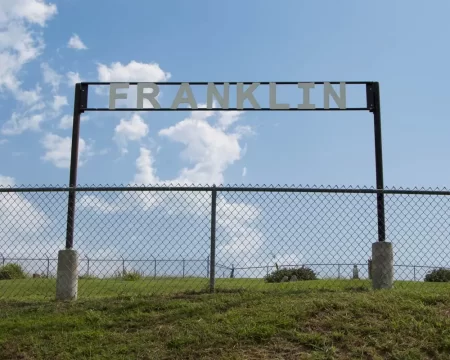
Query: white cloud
[[95, 203], [133, 71], [58, 150], [24, 226], [28, 97], [33, 11], [51, 77], [19, 43], [73, 78], [244, 172], [17, 124], [6, 181], [243, 238], [59, 102], [76, 43], [18, 46], [67, 121], [36, 107], [243, 130], [210, 148], [130, 130], [227, 118], [145, 174], [203, 115]]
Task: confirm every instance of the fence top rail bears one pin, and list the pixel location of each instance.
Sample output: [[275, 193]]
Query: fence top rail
[[102, 260], [249, 188]]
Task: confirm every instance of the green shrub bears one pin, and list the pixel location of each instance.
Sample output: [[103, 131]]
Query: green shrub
[[438, 275], [132, 276], [302, 273], [12, 271]]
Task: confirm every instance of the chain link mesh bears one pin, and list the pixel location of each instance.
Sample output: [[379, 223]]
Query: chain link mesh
[[134, 241]]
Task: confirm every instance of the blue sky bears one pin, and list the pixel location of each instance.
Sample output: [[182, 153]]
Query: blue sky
[[400, 44], [45, 47]]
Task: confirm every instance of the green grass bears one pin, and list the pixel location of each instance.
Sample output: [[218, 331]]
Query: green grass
[[305, 320], [44, 289]]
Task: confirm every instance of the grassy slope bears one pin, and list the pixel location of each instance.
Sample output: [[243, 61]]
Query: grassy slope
[[288, 324]]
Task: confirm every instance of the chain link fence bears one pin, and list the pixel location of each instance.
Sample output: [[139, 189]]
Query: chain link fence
[[136, 240]]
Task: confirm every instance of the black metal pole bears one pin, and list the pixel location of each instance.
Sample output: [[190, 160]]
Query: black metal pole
[[212, 272], [379, 162], [73, 167]]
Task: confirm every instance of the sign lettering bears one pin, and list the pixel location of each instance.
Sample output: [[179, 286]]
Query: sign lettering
[[221, 99]]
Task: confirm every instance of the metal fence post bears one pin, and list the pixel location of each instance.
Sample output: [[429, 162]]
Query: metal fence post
[[79, 102], [123, 266], [48, 267], [212, 274], [183, 268], [154, 275], [379, 162], [339, 271], [3, 260], [88, 266]]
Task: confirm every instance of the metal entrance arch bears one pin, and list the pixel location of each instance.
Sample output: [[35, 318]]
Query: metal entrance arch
[[81, 106]]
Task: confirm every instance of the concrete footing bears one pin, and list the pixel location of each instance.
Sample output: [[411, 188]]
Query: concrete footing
[[67, 275], [382, 265]]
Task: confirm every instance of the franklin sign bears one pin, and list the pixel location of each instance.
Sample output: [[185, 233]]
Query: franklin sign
[[184, 95]]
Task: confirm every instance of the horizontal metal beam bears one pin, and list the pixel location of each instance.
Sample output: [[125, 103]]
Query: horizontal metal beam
[[229, 109], [229, 82]]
